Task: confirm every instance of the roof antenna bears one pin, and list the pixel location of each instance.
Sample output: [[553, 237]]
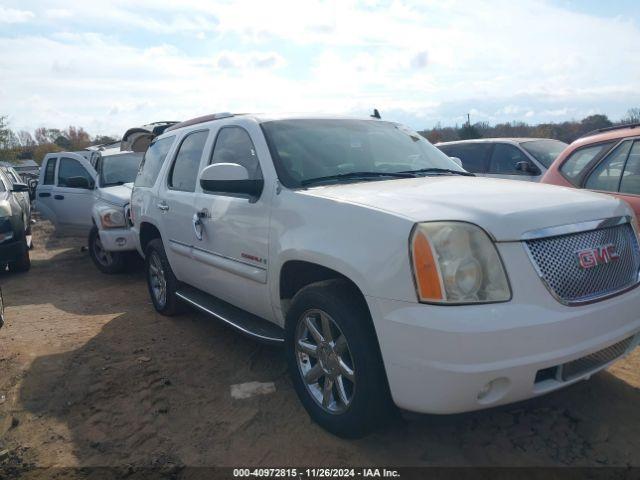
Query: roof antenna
[[376, 114]]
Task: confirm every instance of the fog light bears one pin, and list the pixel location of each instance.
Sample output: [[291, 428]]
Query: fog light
[[484, 391], [493, 390], [121, 241]]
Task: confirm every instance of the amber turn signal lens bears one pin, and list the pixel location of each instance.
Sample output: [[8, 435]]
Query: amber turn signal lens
[[426, 269]]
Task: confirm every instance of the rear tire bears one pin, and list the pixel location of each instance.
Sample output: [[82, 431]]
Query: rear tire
[[105, 261], [342, 354], [161, 281], [24, 263]]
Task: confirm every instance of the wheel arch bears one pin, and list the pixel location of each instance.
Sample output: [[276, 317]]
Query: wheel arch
[[148, 231]]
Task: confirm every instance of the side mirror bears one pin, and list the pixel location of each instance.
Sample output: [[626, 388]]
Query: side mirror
[[78, 182], [20, 187], [527, 167], [457, 160], [229, 178]]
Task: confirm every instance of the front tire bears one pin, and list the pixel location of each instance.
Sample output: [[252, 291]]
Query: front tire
[[24, 263], [334, 360], [161, 281], [105, 261]]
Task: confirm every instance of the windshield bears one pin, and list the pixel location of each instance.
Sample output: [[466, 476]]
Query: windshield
[[545, 151], [309, 149], [119, 169]]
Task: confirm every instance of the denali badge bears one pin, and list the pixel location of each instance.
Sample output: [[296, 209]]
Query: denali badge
[[600, 255]]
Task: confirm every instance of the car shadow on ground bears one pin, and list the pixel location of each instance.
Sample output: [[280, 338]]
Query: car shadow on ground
[[150, 390], [147, 390]]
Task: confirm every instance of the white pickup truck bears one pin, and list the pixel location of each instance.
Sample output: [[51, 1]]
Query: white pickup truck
[[87, 193], [390, 274]]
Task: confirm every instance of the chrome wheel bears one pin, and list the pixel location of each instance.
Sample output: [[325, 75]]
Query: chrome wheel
[[157, 280], [325, 361], [103, 256]]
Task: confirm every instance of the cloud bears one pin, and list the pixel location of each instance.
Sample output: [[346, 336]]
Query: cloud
[[251, 60], [12, 15], [422, 62]]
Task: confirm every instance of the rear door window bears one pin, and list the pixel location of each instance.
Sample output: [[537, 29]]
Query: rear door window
[[152, 162], [474, 156], [630, 182], [184, 171], [606, 176], [574, 165], [50, 170], [504, 159]]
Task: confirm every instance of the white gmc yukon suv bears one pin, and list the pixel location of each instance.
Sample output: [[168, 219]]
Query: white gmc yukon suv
[[391, 275]]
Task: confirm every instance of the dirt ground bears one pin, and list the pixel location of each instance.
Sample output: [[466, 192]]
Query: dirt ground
[[90, 375]]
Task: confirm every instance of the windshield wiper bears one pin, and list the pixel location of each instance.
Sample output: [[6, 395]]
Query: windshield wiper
[[356, 176], [440, 170]]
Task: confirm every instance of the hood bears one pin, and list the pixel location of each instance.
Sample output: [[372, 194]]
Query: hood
[[118, 194], [504, 208]]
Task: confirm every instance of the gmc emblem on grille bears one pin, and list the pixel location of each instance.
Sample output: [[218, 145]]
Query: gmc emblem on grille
[[600, 255]]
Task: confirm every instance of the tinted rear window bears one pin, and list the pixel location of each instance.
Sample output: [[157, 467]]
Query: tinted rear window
[[474, 156]]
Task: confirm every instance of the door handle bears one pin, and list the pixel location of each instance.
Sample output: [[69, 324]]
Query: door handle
[[163, 206], [197, 225], [59, 197], [44, 194]]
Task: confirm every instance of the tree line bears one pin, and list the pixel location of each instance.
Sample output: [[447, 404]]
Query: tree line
[[22, 144], [17, 145], [565, 131]]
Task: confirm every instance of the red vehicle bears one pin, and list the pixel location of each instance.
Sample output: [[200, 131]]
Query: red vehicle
[[606, 160]]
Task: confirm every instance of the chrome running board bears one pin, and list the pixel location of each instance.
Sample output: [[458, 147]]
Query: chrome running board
[[243, 321]]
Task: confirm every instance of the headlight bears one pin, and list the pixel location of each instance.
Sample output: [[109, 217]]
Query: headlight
[[5, 209], [111, 217], [456, 262]]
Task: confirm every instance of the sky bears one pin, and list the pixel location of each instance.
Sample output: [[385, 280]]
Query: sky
[[110, 65]]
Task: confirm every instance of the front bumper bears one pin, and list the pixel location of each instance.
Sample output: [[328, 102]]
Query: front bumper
[[117, 239], [451, 359]]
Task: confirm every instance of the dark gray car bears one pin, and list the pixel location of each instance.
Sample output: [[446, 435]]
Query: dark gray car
[[15, 224], [513, 158]]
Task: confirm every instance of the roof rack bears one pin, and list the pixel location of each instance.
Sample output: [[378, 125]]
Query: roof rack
[[204, 118], [609, 129]]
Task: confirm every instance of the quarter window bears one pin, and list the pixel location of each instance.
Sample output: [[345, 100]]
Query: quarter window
[[152, 162], [70, 168], [505, 158], [234, 145], [49, 173], [606, 176], [630, 182], [574, 165], [185, 167]]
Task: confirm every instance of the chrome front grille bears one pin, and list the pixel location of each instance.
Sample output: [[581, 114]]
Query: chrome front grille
[[557, 262]]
